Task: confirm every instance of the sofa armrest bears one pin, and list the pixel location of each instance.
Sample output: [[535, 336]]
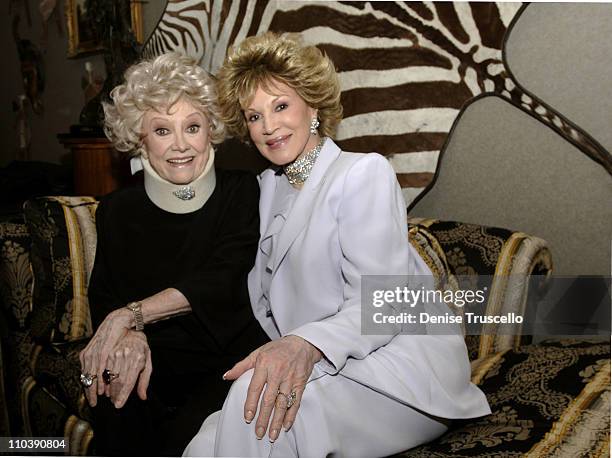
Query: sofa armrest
[[42, 393], [507, 262], [547, 399]]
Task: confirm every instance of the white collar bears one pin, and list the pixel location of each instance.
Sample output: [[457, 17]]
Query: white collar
[[164, 194]]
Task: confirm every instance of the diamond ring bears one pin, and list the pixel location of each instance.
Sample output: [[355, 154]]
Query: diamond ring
[[289, 397], [87, 379]]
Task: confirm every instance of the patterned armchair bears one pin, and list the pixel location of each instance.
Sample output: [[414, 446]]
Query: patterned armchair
[[543, 396], [46, 255]]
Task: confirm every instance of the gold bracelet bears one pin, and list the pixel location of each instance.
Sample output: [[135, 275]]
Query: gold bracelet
[[136, 308]]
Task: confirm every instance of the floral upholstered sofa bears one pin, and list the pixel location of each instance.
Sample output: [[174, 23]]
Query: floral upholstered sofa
[[548, 399]]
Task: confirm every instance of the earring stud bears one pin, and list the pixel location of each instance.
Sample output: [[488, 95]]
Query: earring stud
[[314, 124]]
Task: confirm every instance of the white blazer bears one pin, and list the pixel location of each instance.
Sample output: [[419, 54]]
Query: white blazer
[[349, 220]]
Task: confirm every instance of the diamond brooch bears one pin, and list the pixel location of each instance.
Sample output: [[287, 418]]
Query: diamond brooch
[[185, 193]]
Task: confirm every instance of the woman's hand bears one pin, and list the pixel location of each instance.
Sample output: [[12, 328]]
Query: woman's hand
[[131, 361], [95, 355], [281, 366]]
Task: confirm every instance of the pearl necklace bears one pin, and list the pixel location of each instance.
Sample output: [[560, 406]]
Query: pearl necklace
[[298, 171]]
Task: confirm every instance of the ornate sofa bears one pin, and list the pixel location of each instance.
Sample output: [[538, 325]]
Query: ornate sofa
[[547, 398]]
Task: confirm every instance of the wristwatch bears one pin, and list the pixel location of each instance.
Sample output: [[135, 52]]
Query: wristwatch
[[136, 308]]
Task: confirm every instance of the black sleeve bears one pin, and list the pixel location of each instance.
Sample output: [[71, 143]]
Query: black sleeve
[[102, 299], [217, 291]]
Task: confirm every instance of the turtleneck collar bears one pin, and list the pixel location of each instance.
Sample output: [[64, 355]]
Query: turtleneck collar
[[165, 194]]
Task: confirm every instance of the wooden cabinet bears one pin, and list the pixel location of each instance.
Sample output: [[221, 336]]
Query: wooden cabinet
[[98, 167]]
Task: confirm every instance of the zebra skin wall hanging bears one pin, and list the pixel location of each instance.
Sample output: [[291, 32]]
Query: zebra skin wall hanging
[[407, 69]]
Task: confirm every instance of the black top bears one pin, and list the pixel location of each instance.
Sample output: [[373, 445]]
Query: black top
[[206, 255]]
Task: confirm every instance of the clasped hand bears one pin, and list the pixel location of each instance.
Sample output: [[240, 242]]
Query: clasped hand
[[281, 366], [122, 351], [131, 359]]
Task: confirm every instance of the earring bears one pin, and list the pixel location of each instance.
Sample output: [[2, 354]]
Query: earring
[[314, 123]]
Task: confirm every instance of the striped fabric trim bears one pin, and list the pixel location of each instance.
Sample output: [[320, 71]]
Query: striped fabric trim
[[481, 366], [83, 408], [420, 242], [87, 224], [531, 253], [34, 354], [519, 256], [590, 433], [80, 227], [80, 434], [26, 388], [436, 260], [498, 290], [556, 435], [432, 253]]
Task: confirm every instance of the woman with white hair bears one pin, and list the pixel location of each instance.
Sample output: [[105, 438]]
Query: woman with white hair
[[168, 291]]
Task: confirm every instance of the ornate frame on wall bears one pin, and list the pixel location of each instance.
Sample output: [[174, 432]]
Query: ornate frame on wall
[[79, 44]]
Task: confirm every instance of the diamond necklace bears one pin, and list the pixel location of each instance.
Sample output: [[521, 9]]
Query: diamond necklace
[[298, 171]]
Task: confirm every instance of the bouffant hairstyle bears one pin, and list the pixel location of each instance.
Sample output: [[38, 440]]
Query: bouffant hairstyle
[[261, 60], [157, 84]]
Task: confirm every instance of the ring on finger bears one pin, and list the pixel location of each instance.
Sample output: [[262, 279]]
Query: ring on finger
[[290, 398], [108, 376], [87, 379]]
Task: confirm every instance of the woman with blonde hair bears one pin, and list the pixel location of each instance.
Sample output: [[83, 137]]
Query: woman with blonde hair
[[321, 387], [168, 291]]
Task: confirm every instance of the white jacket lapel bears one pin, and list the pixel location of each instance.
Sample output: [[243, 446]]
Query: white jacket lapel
[[303, 206], [267, 186]]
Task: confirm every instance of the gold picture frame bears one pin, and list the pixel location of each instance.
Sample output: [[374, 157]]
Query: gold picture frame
[[80, 40]]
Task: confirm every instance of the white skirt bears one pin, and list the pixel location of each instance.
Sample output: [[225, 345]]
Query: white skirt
[[337, 417]]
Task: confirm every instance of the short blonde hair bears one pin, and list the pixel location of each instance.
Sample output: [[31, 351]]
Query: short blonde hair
[[259, 61], [157, 84]]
